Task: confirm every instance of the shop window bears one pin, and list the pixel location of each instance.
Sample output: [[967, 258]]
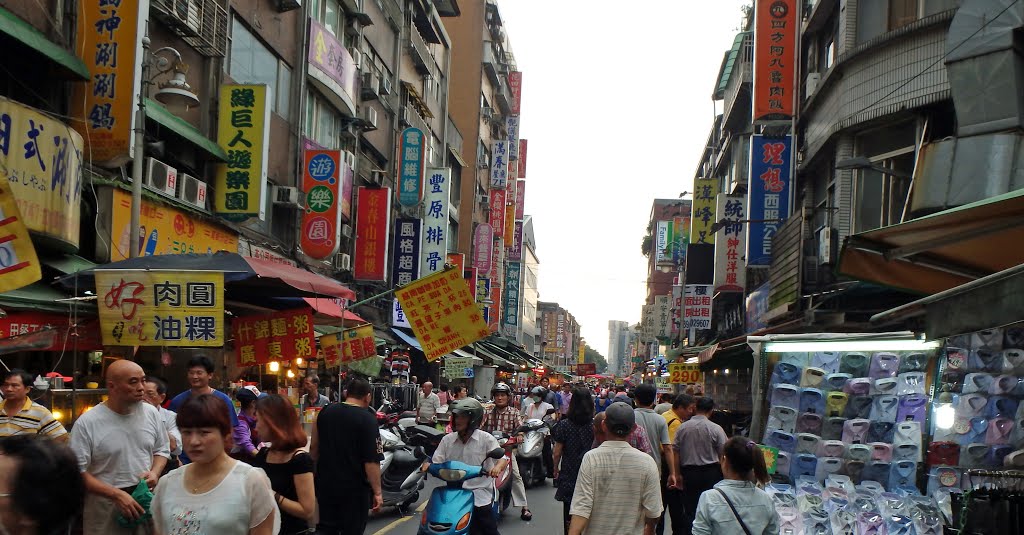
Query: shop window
[[323, 124], [252, 62], [331, 15], [901, 13], [881, 197]]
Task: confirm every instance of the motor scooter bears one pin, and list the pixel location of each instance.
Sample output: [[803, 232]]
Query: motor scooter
[[503, 483], [450, 509], [400, 476], [532, 465]]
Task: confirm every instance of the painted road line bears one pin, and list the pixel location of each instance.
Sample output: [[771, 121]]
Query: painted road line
[[399, 521]]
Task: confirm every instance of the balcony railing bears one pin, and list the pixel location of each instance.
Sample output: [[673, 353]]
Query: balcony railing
[[203, 24], [421, 56], [492, 65], [740, 81], [502, 96]]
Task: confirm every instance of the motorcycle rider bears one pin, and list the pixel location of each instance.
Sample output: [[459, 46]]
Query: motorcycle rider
[[470, 445], [506, 419], [536, 409]]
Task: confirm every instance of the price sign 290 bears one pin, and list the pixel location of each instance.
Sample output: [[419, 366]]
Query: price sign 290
[[684, 374]]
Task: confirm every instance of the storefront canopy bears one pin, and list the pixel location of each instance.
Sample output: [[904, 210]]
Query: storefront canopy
[[264, 277], [23, 32], [158, 113], [941, 251]]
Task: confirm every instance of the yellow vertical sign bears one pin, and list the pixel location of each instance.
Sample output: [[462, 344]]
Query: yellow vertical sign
[[583, 348], [243, 132], [442, 313], [705, 191], [19, 265]]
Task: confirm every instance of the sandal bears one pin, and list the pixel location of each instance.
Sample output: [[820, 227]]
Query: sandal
[[526, 515]]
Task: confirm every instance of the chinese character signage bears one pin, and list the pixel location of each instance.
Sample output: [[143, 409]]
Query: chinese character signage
[[584, 369], [681, 236], [705, 192], [730, 245], [757, 307], [512, 134], [41, 159], [458, 367], [443, 314], [331, 64], [493, 321], [279, 336], [520, 199], [483, 244], [662, 316], [459, 261], [499, 164], [22, 323], [515, 87], [521, 162], [373, 217], [510, 314], [321, 179], [166, 230], [109, 39], [161, 308], [435, 221], [681, 374], [496, 212], [510, 223], [406, 265], [410, 176], [775, 31], [19, 265], [350, 345], [768, 195], [697, 306], [483, 290], [515, 253], [346, 175], [243, 132]]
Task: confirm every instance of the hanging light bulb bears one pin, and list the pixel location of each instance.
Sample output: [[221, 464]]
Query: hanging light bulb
[[290, 374], [274, 367], [298, 361], [945, 414]]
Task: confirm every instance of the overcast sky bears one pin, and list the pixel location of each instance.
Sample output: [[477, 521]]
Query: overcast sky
[[617, 107]]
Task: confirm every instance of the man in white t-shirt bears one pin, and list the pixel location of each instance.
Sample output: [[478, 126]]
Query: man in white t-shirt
[[429, 403], [118, 443]]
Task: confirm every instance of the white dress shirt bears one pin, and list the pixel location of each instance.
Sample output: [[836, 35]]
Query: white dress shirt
[[474, 453], [170, 419]]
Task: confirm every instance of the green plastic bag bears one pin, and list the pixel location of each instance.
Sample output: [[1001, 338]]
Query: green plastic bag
[[144, 497]]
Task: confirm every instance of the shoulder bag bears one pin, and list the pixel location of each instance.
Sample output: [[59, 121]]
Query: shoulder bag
[[734, 512]]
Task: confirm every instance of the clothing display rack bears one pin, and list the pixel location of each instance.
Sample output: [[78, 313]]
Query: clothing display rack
[[992, 503]]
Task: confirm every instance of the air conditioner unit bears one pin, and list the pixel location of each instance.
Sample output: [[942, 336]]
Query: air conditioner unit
[[192, 190], [385, 85], [483, 163], [811, 86], [826, 245], [346, 230], [482, 198], [377, 176], [188, 11], [348, 158], [486, 112], [370, 118], [343, 261], [286, 196], [370, 85], [357, 57], [161, 177]]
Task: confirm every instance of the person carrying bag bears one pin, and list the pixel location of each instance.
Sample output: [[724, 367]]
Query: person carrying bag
[[736, 504]]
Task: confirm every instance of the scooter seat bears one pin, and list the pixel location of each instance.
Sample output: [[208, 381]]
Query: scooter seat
[[408, 414]]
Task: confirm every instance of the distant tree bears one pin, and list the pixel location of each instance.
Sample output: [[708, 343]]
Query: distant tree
[[591, 355], [648, 242]]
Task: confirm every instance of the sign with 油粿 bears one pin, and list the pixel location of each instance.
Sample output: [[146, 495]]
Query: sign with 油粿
[[161, 308]]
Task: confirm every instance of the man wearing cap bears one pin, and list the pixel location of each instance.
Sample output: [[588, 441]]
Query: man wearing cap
[[19, 415], [618, 488], [657, 430], [699, 443]]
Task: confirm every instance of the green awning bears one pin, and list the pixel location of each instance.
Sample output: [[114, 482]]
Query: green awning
[[23, 32], [41, 298], [68, 264], [158, 113], [728, 63]]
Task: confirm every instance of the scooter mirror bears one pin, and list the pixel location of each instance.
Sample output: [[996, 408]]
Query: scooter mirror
[[551, 411], [496, 453]]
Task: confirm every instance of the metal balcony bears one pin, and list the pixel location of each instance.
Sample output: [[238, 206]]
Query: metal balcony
[[203, 24], [502, 96], [419, 52], [739, 85], [492, 64]]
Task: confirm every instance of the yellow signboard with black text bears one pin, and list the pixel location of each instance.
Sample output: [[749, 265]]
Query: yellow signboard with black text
[[161, 308], [19, 265], [442, 313], [683, 374], [244, 133]]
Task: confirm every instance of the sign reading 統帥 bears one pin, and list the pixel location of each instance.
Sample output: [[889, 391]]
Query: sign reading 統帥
[[161, 308], [279, 336]]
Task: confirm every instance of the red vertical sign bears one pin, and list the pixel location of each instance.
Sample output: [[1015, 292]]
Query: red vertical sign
[[775, 30], [496, 216], [321, 181], [515, 86], [520, 199], [522, 158], [373, 217]]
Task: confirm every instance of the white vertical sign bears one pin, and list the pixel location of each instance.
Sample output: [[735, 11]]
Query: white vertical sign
[[512, 134], [731, 244], [436, 204], [499, 164]]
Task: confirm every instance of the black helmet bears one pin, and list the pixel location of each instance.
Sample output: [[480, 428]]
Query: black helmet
[[501, 388], [539, 391], [471, 407]]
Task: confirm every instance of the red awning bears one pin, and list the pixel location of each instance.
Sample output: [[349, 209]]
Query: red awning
[[330, 307], [300, 278]]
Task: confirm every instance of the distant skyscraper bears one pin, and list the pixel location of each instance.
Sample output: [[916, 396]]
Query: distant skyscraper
[[618, 342]]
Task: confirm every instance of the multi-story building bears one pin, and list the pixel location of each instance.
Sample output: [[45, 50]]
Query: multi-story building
[[560, 336], [529, 324], [618, 347]]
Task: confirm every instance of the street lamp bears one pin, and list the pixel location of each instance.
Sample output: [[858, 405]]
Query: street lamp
[[175, 91]]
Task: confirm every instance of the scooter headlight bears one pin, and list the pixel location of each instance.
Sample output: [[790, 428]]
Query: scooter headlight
[[448, 474], [463, 522]]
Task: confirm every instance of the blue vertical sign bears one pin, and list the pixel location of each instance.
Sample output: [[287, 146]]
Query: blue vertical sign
[[768, 198], [510, 308], [410, 169], [406, 266]]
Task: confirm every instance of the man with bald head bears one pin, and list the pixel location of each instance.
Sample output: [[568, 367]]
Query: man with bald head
[[429, 404], [119, 443]]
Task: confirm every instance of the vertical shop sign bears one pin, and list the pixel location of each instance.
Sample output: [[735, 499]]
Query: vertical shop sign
[[510, 223], [662, 318], [496, 213], [681, 233], [167, 230], [522, 158], [493, 317], [515, 253], [768, 194], [775, 33], [435, 221], [19, 265], [410, 179], [730, 266], [109, 38], [483, 243], [483, 290], [458, 260], [661, 242], [512, 134], [373, 216], [705, 190], [406, 265], [243, 132], [697, 306], [520, 199], [515, 87], [499, 164], [321, 228], [510, 314]]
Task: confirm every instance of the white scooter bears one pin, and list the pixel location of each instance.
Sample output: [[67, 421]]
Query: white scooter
[[530, 453]]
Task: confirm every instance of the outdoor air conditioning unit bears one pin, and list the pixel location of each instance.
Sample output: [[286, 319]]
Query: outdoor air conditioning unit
[[826, 245], [188, 11], [357, 56], [346, 230], [343, 262], [482, 198], [370, 118], [370, 83], [286, 196], [348, 158], [377, 176], [192, 190], [487, 112], [385, 85], [811, 86], [161, 177]]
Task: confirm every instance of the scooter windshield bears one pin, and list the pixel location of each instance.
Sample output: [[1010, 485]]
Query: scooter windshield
[[454, 471]]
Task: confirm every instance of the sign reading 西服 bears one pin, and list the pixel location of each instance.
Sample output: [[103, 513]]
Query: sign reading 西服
[[279, 336], [775, 42], [681, 374], [435, 221], [510, 313], [161, 308], [243, 132], [442, 312], [730, 246], [41, 159], [406, 265], [410, 176], [705, 189], [350, 345], [321, 229], [768, 195], [373, 215], [499, 164], [697, 306]]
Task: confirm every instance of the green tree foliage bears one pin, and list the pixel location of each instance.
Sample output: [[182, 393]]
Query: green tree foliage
[[591, 355]]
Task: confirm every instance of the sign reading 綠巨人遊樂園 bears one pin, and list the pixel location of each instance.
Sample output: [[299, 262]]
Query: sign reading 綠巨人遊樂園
[[243, 132]]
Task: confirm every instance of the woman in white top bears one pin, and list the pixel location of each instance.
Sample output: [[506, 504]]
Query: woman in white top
[[214, 494]]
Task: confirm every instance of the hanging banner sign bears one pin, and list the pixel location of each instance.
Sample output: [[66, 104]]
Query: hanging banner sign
[[510, 316], [661, 242], [515, 253], [346, 175], [705, 191], [109, 38], [321, 225], [730, 245], [767, 195], [406, 265], [443, 314], [775, 42], [512, 134], [584, 369], [435, 221], [496, 214], [697, 307], [458, 367], [19, 265], [681, 374], [166, 230], [243, 132], [483, 244], [410, 178], [510, 224], [493, 320], [681, 234], [331, 65], [499, 164], [497, 259], [280, 336], [161, 308], [522, 158], [515, 87], [373, 217], [457, 260], [350, 345], [483, 290], [54, 332], [520, 199]]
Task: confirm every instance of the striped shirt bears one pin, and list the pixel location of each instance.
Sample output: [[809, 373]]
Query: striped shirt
[[32, 419], [618, 489]]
